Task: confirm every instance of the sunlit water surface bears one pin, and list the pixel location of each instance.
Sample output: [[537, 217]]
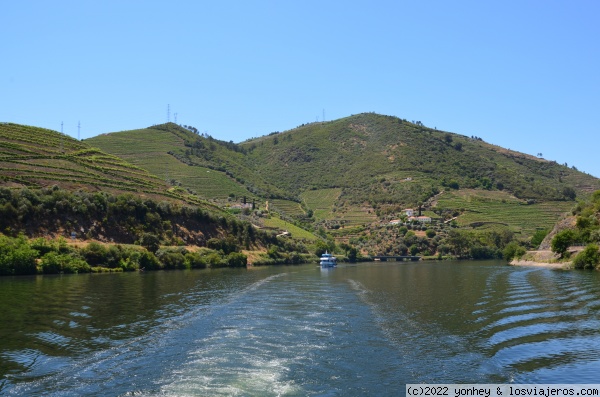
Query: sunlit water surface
[[355, 330]]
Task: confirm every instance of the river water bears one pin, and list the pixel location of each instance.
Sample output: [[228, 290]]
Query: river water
[[355, 330]]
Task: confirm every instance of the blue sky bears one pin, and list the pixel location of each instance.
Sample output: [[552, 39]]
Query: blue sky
[[520, 74]]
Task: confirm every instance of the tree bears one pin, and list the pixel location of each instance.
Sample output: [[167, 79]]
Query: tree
[[150, 242], [352, 254], [486, 183], [561, 241], [459, 242], [321, 247], [569, 193], [538, 237]]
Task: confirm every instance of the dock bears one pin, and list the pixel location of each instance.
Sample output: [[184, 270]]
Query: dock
[[397, 258]]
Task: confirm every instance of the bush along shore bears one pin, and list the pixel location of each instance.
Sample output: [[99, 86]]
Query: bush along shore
[[22, 256]]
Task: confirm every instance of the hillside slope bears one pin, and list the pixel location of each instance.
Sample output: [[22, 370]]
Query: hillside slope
[[361, 170], [375, 156], [36, 157], [211, 168]]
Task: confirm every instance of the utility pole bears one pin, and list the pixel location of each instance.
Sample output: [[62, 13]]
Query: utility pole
[[78, 130]]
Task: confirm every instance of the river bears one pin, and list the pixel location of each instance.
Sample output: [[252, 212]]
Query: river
[[354, 330]]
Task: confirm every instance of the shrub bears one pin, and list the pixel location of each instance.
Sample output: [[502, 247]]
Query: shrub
[[43, 246], [95, 254], [226, 245], [589, 258], [172, 258], [150, 241], [236, 259], [53, 263], [214, 260], [513, 250], [484, 252], [195, 260], [149, 261], [17, 257], [538, 237], [430, 233]]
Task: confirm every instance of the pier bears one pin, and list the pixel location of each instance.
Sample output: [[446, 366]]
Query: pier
[[397, 258]]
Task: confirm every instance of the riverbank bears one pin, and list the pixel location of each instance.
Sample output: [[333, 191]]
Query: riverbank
[[541, 258], [548, 265]]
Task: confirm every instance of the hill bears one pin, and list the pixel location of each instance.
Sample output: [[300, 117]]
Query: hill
[[384, 159], [35, 157], [53, 186], [359, 171], [213, 169]]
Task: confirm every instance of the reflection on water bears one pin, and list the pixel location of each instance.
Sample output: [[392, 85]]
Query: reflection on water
[[352, 330]]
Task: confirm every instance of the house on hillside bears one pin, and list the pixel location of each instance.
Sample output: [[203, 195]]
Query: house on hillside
[[422, 219], [395, 222], [409, 211]]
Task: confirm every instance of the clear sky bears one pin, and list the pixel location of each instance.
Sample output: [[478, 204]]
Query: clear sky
[[521, 74]]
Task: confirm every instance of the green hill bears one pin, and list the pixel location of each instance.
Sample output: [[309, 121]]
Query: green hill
[[54, 186], [36, 157], [369, 164], [383, 159], [361, 171], [211, 168]]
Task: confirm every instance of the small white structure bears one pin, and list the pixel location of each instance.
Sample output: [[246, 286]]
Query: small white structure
[[422, 219], [409, 212]]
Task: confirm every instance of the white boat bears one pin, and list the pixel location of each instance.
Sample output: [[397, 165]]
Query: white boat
[[328, 260]]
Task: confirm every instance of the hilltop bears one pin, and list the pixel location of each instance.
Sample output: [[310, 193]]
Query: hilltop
[[374, 156]]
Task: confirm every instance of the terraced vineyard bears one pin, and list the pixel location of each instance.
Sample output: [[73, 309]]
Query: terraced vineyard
[[356, 216], [150, 149], [296, 232], [321, 201], [484, 209], [37, 157], [288, 207]]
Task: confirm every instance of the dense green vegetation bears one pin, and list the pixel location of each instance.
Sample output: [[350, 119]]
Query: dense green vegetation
[[586, 232], [209, 167], [20, 256], [124, 219]]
